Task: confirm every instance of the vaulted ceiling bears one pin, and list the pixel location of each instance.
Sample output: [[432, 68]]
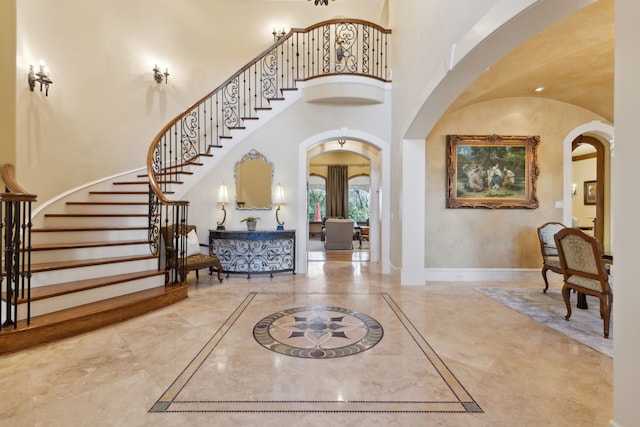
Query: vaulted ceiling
[[573, 61]]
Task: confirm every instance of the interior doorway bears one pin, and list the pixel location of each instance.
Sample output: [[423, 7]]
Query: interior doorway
[[590, 187], [364, 164]]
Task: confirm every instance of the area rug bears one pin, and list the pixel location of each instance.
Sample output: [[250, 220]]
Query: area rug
[[584, 326]]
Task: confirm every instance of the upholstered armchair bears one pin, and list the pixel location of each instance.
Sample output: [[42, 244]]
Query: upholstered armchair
[[584, 270], [550, 258], [198, 255], [338, 233]]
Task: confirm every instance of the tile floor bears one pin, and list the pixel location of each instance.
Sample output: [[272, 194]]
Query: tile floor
[[449, 356]]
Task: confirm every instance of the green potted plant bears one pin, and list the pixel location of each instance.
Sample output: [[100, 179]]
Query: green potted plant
[[251, 222]]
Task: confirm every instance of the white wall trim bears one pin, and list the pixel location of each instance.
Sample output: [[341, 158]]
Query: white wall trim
[[487, 275]]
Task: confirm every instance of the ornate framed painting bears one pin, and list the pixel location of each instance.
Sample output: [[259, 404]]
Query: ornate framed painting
[[590, 192], [492, 171]]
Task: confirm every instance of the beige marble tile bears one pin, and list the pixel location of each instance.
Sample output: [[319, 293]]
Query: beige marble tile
[[518, 371]]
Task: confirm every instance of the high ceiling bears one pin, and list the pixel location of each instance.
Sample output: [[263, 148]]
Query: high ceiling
[[573, 60]]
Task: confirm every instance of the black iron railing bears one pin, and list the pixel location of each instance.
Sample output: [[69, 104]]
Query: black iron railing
[[15, 247], [341, 46]]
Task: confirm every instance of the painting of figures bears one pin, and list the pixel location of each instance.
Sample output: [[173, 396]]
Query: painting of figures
[[492, 171]]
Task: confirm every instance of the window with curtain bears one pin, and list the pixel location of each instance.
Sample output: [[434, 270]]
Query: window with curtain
[[338, 191]]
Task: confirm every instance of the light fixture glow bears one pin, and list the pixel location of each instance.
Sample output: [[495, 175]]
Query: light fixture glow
[[159, 76], [278, 198], [223, 198], [41, 77], [539, 89]]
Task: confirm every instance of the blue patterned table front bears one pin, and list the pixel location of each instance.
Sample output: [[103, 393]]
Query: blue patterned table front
[[255, 252]]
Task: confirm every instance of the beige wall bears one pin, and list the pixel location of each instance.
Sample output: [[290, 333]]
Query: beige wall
[[7, 82], [318, 165], [104, 100], [501, 238]]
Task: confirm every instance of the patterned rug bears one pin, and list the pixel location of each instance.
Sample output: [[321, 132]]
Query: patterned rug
[[584, 326]]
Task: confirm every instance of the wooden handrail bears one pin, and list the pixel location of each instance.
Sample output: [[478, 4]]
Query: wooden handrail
[[14, 192]]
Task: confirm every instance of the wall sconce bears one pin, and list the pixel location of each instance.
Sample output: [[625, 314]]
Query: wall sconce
[[41, 77], [573, 189], [341, 142], [278, 199], [277, 36], [158, 76], [322, 2], [223, 198]]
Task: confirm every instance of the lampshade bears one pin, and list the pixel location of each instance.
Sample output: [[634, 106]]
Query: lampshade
[[223, 194], [278, 197]]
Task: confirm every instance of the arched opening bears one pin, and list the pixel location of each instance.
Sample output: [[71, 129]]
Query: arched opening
[[588, 169], [352, 158]]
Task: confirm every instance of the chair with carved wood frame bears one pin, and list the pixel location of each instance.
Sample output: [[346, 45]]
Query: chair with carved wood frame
[[199, 255], [550, 258], [584, 270]]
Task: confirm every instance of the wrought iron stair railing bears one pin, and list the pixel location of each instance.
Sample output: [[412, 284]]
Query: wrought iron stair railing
[[340, 46], [15, 247]]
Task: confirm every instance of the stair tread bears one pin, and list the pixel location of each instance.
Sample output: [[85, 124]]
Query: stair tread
[[72, 229], [146, 182], [109, 203], [97, 244], [48, 266], [118, 192], [73, 321], [49, 291], [97, 215]]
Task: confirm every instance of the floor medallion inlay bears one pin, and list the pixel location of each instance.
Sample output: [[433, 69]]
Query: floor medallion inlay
[[318, 332]]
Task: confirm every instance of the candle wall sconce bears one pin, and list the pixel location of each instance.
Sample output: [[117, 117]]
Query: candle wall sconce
[[158, 76], [41, 77]]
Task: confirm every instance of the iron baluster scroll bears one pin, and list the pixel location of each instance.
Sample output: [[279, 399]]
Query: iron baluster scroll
[[255, 252]]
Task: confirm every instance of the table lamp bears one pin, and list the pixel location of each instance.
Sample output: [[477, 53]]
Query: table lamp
[[278, 198], [223, 198]]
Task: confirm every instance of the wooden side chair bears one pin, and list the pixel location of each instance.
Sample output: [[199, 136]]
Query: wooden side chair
[[550, 258], [198, 255], [584, 270]]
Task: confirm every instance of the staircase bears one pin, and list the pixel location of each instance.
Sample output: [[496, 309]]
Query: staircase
[[94, 252]]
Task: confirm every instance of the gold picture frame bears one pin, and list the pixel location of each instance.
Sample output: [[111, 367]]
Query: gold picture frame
[[590, 188], [492, 171]]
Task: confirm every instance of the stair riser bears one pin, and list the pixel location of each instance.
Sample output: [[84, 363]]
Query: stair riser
[[61, 302], [59, 255], [139, 198], [106, 209], [38, 238], [80, 222], [89, 272]]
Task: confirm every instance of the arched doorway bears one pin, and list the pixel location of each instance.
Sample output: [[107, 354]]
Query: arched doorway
[[595, 152], [603, 134], [377, 152]]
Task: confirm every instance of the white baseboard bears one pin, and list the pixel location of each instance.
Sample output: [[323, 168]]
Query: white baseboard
[[485, 275]]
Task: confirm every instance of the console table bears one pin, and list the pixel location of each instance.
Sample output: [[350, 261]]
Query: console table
[[255, 252]]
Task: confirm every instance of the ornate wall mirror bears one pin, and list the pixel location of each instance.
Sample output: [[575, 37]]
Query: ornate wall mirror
[[253, 173]]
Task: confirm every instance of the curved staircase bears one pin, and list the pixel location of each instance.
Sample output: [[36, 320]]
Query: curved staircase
[[94, 252]]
